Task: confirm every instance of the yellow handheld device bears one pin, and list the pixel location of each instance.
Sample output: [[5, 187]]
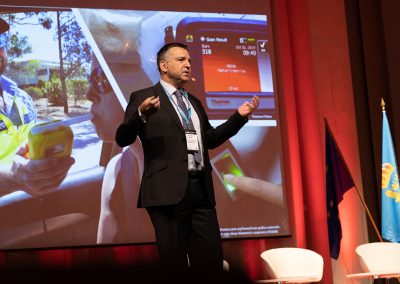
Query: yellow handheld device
[[50, 139], [54, 138]]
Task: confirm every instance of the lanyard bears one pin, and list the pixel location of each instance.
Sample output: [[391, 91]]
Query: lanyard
[[185, 117]]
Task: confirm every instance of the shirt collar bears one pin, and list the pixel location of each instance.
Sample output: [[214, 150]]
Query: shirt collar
[[167, 87]]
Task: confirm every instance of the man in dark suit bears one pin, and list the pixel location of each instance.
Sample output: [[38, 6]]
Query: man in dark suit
[[177, 188]]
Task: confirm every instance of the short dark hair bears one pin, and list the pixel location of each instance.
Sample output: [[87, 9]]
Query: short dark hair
[[163, 50]]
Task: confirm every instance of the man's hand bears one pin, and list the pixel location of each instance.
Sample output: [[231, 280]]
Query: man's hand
[[257, 187], [150, 105], [248, 107], [37, 177]]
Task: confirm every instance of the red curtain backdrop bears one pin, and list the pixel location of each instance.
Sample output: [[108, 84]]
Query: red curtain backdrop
[[312, 164]]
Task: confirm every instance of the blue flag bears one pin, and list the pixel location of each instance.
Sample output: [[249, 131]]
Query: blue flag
[[390, 187], [338, 181]]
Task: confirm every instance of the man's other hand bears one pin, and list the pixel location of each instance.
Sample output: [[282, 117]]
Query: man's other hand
[[150, 105], [248, 107]]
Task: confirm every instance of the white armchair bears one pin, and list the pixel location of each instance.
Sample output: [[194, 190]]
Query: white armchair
[[378, 260], [293, 265]]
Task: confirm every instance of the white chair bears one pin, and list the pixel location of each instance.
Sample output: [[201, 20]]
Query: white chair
[[225, 265], [378, 260], [293, 265]]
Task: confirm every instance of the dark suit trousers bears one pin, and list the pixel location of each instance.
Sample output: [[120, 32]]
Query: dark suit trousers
[[188, 232]]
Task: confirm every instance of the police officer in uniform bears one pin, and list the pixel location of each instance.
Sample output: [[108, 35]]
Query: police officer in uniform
[[17, 110], [17, 116]]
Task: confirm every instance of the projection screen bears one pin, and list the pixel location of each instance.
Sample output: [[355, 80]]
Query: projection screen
[[56, 55]]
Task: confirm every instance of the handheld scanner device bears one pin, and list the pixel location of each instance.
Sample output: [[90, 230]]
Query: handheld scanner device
[[231, 63], [54, 138]]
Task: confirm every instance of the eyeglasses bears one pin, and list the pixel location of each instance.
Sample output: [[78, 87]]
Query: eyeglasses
[[99, 81]]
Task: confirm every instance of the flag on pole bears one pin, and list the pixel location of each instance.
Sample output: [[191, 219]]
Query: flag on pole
[[390, 186], [338, 181]]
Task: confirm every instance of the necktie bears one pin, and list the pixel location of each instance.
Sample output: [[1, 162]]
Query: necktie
[[189, 125], [181, 104]]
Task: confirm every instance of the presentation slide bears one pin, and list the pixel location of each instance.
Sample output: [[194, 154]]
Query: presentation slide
[[66, 77]]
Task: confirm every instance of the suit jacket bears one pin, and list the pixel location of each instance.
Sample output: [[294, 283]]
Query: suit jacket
[[163, 138]]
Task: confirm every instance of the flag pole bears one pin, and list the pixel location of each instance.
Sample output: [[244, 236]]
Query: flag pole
[[369, 215], [358, 192]]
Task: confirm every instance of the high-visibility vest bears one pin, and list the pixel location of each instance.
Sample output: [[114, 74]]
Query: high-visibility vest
[[12, 136]]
